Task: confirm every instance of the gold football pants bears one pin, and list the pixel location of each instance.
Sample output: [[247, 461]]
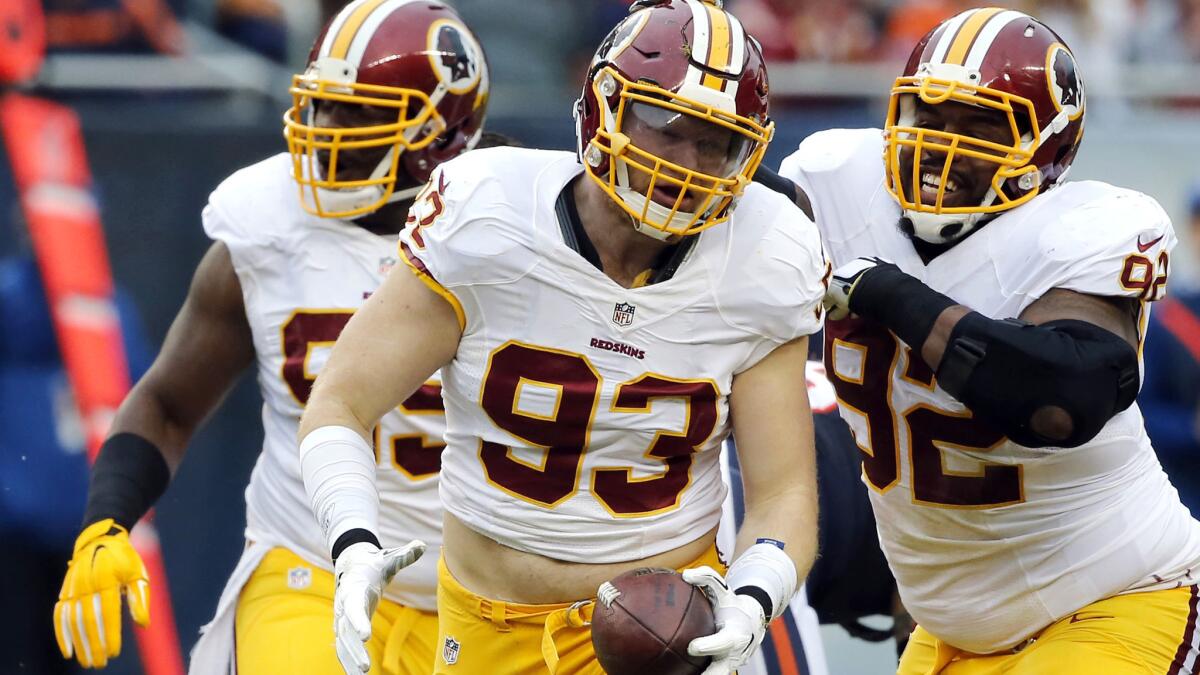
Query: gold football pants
[[1151, 633], [284, 624], [479, 636]]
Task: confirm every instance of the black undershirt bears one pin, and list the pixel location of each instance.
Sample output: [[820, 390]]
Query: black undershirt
[[575, 237]]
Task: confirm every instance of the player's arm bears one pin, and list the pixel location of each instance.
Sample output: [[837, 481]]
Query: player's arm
[[772, 422], [1054, 377], [402, 335], [777, 542], [208, 345]]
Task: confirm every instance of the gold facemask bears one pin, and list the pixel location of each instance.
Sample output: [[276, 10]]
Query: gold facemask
[[1012, 160], [616, 140], [322, 191]]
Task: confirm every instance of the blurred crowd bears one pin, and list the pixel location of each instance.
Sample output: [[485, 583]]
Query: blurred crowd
[[807, 30], [885, 30]]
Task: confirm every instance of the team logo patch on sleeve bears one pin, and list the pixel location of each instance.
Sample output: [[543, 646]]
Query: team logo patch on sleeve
[[623, 313], [450, 651]]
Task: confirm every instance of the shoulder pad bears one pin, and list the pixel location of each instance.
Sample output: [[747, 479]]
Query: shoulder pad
[[774, 279], [833, 149], [255, 206], [837, 164], [1103, 240], [472, 223]]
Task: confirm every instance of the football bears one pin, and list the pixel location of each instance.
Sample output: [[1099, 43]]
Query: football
[[644, 620]]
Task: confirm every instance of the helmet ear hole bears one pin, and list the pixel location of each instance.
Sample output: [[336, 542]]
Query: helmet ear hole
[[447, 137], [1024, 127], [1062, 153]]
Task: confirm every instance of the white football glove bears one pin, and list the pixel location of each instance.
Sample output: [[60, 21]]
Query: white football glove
[[741, 623], [841, 285], [362, 571]]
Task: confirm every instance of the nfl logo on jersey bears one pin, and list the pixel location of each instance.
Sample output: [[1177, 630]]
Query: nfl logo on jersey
[[450, 651], [623, 313]]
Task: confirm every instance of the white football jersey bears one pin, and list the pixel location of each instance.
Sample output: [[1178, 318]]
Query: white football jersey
[[585, 420], [991, 541], [302, 278]]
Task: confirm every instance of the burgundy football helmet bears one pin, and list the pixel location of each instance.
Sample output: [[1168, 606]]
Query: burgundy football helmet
[[998, 59], [414, 59], [682, 69]]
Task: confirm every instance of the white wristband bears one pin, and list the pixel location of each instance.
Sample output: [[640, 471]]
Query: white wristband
[[338, 468], [767, 567]]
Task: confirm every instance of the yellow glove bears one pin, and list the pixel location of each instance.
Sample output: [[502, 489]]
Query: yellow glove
[[87, 618]]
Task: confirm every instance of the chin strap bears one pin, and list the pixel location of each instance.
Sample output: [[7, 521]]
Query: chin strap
[[406, 193], [940, 228], [652, 232]]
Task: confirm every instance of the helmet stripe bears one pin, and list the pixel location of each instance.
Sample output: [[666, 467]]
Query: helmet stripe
[[719, 46], [367, 31], [341, 43], [988, 35], [335, 27], [948, 33], [957, 54], [738, 54], [700, 32]]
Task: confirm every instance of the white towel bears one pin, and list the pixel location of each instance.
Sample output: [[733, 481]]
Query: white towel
[[214, 651]]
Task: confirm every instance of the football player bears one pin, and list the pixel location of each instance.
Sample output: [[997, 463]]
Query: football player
[[602, 320], [985, 324], [392, 89]]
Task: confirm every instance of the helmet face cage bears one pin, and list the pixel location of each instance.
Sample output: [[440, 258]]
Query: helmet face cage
[[421, 78], [624, 156], [417, 124], [676, 60], [996, 59], [1012, 160]]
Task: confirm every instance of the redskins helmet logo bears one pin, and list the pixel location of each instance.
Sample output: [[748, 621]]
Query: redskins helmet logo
[[454, 55], [1066, 89]]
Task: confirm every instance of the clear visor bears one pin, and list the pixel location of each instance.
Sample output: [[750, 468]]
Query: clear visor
[[687, 140]]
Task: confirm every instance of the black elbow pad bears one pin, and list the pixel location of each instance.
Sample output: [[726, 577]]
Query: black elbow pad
[[1006, 371]]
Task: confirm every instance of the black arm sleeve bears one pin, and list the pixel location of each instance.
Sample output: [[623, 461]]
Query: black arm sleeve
[[770, 179], [784, 186], [1008, 371], [129, 475]]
